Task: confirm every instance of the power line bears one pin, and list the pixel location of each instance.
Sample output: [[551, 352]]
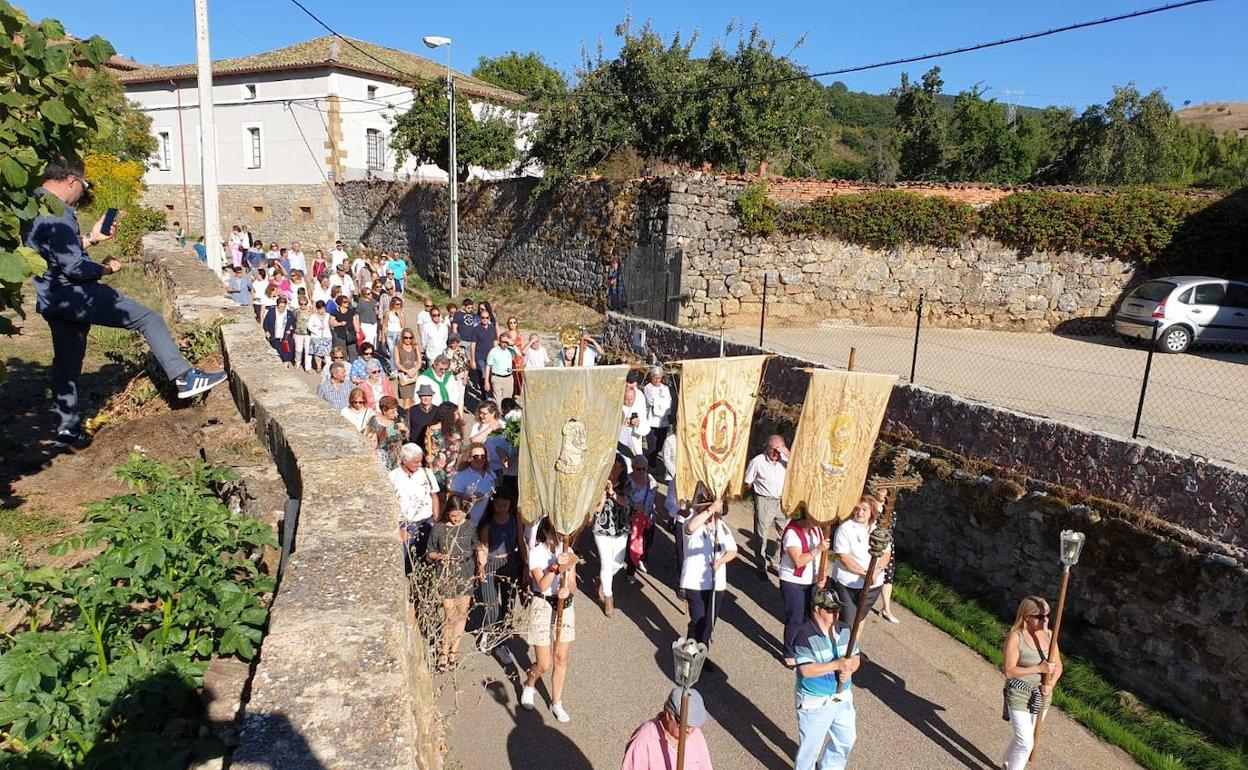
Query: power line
[[826, 73]]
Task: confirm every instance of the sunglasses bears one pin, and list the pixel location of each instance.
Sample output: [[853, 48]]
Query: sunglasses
[[408, 337], [435, 314], [1043, 616], [476, 457], [357, 403]]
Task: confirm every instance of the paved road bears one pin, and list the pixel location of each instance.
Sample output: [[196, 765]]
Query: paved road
[[924, 702], [1196, 402]]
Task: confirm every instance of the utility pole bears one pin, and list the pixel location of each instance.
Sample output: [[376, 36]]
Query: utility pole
[[207, 141], [1011, 104]]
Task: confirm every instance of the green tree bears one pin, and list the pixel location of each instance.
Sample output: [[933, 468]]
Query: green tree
[[122, 129], [921, 126], [984, 147], [421, 132], [45, 112], [1129, 140], [524, 73]]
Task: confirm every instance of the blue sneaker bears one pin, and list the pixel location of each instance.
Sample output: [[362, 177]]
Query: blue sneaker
[[194, 382]]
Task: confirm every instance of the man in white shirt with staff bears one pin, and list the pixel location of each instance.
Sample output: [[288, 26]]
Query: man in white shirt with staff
[[765, 474]]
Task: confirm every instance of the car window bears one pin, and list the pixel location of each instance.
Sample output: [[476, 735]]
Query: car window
[[1186, 297], [1236, 295], [1153, 291], [1209, 294]]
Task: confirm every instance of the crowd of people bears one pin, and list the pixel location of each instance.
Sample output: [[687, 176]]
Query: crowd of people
[[439, 393]]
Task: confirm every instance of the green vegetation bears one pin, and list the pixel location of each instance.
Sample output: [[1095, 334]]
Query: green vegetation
[[421, 133], [111, 651], [1155, 740], [1149, 226], [527, 74]]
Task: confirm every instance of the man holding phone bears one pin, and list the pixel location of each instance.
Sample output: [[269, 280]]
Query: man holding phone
[[71, 298]]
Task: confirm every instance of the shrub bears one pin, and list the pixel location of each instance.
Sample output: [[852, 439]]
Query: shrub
[[756, 211], [138, 221], [114, 183]]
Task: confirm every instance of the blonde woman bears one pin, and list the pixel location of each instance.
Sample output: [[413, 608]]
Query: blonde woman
[[1025, 661]]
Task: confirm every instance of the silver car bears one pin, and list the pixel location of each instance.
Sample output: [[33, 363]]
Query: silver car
[[1186, 309]]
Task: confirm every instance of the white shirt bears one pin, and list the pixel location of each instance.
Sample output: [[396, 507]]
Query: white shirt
[[469, 483], [765, 476], [658, 404], [669, 454], [536, 358], [348, 285], [423, 317], [357, 419], [433, 337], [793, 539], [318, 326], [700, 552], [631, 436], [415, 491], [279, 324], [337, 257], [320, 294], [297, 261], [258, 288], [541, 557], [357, 264], [852, 538]]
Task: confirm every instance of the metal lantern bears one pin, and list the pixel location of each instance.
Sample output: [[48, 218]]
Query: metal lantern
[[688, 657], [1072, 546]]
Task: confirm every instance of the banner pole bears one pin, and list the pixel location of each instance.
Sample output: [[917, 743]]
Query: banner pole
[[559, 603], [827, 530]]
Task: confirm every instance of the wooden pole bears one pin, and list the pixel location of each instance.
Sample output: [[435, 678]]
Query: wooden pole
[[580, 351], [559, 603], [1044, 678], [684, 720]]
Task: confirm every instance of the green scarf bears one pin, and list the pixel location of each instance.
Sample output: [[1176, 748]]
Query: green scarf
[[440, 383]]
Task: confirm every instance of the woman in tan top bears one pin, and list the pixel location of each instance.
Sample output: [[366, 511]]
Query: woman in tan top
[[1025, 660]]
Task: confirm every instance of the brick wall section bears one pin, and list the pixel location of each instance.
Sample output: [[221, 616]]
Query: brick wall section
[[341, 680], [1163, 607], [284, 213], [979, 284]]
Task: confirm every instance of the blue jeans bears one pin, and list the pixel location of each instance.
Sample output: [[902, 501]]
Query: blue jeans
[[835, 722], [71, 316]]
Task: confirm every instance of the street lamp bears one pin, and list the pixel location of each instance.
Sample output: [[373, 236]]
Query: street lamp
[[1068, 553], [437, 41], [687, 658]]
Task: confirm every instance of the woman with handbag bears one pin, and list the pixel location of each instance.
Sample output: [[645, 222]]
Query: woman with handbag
[[515, 342], [406, 358], [612, 526], [642, 492], [1024, 662], [279, 327]]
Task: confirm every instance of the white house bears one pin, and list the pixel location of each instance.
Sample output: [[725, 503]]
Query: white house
[[290, 124]]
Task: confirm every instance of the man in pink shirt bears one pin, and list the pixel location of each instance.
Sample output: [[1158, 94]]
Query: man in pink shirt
[[653, 745]]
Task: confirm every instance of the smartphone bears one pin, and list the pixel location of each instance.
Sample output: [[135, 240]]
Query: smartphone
[[110, 218]]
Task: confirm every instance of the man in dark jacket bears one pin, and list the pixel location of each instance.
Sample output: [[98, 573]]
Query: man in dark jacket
[[71, 298]]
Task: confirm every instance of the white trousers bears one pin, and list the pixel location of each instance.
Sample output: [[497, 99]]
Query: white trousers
[[611, 552], [1019, 750]]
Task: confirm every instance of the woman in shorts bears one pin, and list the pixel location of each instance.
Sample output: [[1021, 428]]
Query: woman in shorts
[[552, 575]]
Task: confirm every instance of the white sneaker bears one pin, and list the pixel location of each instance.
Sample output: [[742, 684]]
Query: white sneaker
[[527, 696], [560, 712], [483, 642]]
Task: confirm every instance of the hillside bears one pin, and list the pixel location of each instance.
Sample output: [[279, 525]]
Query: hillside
[[1222, 117]]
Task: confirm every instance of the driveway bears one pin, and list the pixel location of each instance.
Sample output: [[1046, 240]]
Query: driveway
[[1196, 403]]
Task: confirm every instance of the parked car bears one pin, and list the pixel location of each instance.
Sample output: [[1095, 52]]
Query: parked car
[[1186, 309]]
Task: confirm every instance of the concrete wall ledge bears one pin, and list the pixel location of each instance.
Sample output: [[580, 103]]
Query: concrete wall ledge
[[341, 681]]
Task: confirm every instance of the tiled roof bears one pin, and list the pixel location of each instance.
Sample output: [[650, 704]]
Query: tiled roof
[[330, 51]]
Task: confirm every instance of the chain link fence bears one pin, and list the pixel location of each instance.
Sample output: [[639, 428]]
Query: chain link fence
[[1194, 402]]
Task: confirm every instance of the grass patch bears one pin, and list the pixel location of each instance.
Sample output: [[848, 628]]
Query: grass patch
[[1155, 740], [28, 521]]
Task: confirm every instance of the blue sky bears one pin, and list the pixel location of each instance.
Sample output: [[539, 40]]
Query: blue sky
[[1196, 53]]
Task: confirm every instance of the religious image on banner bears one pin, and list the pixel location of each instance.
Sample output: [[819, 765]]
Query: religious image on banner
[[716, 406], [567, 442], [836, 434]]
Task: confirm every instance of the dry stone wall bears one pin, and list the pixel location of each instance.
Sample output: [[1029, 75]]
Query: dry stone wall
[[341, 680], [508, 231], [284, 213], [1161, 603], [979, 284]]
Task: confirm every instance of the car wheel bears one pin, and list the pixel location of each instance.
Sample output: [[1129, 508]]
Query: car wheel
[[1176, 339]]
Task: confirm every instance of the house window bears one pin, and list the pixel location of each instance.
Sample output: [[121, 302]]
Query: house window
[[163, 156], [249, 91], [255, 150], [372, 92], [376, 150]]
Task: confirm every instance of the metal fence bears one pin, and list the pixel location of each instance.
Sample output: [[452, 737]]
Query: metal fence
[[1194, 402]]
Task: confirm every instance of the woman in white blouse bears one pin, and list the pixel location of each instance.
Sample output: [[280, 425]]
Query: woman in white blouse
[[658, 412]]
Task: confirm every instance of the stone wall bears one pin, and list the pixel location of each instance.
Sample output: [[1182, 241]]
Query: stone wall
[[1187, 491], [282, 213], [980, 284], [341, 680], [1160, 602], [507, 231]]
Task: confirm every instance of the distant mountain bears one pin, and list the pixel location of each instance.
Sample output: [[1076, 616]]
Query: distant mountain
[[1222, 117]]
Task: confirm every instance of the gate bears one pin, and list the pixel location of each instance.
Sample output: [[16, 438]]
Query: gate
[[651, 276]]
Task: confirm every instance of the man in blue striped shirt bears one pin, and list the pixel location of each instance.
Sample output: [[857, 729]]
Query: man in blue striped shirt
[[824, 663]]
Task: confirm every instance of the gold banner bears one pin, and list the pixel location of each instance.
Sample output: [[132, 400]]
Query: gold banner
[[717, 399], [567, 441], [835, 437]]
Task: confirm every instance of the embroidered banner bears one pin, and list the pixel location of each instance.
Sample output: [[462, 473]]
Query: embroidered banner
[[717, 399], [835, 437], [567, 441]]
